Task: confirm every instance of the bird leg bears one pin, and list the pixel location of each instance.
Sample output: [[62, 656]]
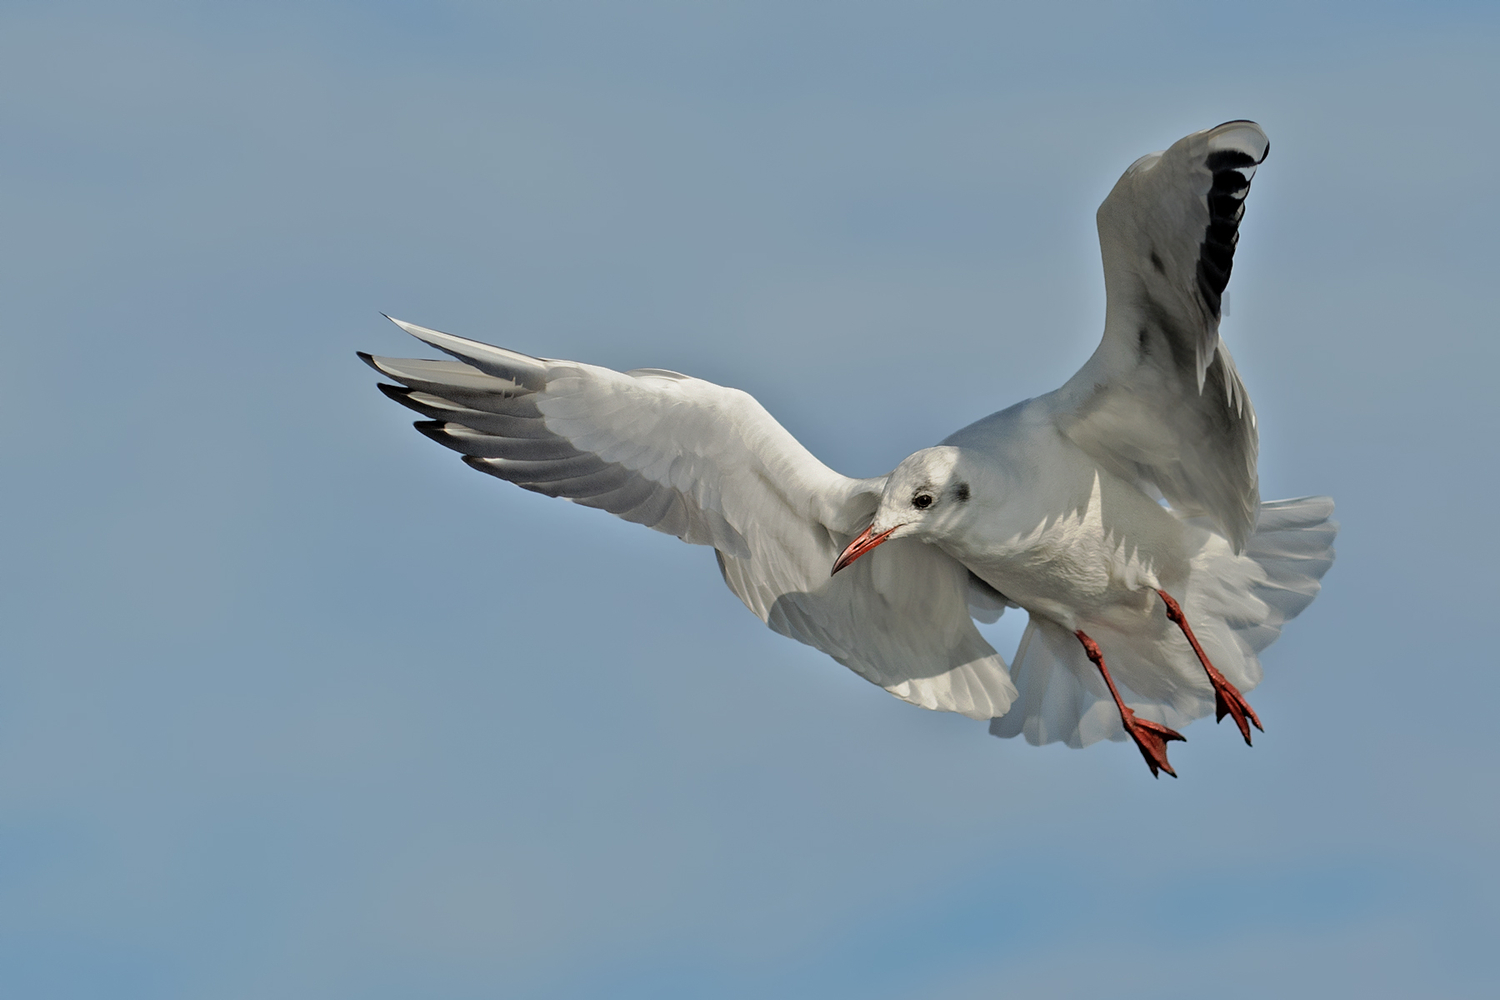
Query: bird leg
[[1150, 737], [1227, 697]]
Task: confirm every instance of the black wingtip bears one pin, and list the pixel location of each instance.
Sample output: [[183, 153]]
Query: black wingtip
[[481, 465], [433, 429], [399, 393], [367, 358]]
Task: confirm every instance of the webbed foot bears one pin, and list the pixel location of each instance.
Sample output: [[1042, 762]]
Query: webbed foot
[[1152, 739], [1229, 701], [1227, 697]]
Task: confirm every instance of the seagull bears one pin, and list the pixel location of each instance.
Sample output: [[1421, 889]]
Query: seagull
[[1121, 511]]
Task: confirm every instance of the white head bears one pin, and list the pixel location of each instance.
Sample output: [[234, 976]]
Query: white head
[[925, 497]]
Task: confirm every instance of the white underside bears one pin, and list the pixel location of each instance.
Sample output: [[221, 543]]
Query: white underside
[[1236, 605]]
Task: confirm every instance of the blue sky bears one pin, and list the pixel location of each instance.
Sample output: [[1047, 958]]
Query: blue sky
[[294, 704]]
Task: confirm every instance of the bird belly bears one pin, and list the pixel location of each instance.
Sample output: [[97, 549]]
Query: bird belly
[[1083, 568], [1073, 584]]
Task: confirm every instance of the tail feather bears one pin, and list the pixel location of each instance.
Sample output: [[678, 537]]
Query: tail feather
[[1293, 543]]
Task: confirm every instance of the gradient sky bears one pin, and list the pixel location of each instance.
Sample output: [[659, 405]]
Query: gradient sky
[[295, 705]]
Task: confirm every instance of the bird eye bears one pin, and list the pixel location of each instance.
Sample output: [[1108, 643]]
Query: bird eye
[[922, 501]]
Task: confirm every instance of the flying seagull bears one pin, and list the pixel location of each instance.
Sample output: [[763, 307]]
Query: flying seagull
[[1121, 511]]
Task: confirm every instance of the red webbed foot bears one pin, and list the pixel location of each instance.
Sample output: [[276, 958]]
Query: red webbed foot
[[1152, 739], [1229, 701], [1227, 697]]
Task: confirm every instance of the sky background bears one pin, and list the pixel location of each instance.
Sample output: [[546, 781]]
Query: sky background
[[295, 705]]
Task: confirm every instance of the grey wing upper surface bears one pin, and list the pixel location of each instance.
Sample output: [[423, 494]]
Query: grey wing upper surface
[[1160, 402], [709, 465]]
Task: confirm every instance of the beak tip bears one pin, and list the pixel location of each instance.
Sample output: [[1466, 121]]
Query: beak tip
[[863, 542]]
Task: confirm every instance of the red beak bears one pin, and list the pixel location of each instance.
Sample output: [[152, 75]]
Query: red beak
[[864, 542]]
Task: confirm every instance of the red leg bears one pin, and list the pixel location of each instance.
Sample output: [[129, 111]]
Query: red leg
[[1150, 737], [1227, 697]]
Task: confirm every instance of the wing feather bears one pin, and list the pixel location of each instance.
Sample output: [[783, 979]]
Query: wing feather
[[711, 466], [1160, 402]]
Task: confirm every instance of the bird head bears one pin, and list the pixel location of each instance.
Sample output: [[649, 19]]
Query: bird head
[[923, 498]]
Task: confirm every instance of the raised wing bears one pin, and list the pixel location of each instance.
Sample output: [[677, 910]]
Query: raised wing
[[1160, 401], [711, 466]]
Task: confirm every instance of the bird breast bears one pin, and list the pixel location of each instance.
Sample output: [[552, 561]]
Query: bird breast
[[1107, 550]]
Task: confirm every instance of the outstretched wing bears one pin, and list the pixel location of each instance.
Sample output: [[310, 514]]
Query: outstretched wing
[[711, 466], [1160, 401]]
